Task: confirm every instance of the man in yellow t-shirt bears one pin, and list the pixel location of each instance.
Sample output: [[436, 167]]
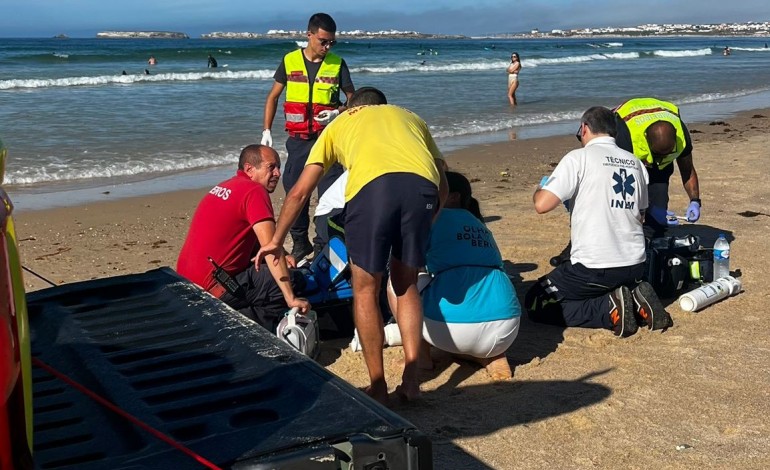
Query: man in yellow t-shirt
[[394, 190]]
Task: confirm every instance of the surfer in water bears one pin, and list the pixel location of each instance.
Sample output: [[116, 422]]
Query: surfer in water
[[212, 62]]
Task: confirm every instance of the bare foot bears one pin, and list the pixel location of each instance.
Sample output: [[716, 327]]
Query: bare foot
[[497, 367], [407, 392], [378, 393], [425, 363]]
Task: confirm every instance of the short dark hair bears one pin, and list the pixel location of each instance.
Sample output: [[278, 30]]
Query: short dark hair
[[367, 95], [321, 21], [661, 137], [600, 120], [459, 184], [251, 154]]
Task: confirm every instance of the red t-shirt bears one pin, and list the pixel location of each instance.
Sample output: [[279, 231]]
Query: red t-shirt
[[221, 228]]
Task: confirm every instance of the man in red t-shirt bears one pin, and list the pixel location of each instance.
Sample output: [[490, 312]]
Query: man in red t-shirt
[[230, 224]]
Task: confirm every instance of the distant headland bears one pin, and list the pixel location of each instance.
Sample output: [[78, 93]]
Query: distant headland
[[751, 28], [141, 35], [355, 34]]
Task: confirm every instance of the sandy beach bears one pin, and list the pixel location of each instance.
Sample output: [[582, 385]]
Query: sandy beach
[[694, 396]]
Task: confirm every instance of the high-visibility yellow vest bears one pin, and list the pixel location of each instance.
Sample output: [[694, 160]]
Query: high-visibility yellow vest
[[298, 108], [639, 114]]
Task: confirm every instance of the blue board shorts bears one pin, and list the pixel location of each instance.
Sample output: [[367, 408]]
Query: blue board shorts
[[391, 215]]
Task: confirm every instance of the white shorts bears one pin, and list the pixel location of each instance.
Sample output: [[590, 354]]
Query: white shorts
[[483, 340]]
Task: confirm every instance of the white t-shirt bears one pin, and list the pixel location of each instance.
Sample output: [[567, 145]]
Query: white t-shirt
[[607, 189], [333, 197]]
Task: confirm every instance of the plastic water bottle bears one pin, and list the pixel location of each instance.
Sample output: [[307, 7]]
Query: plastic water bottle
[[721, 257]]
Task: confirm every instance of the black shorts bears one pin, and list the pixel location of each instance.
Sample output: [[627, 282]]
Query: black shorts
[[391, 215]]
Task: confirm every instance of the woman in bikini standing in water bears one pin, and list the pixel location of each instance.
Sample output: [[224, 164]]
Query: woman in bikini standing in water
[[513, 77]]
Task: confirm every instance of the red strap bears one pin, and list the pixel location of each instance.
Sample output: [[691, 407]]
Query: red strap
[[102, 401]]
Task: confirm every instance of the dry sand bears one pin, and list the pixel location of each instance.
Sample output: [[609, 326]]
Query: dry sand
[[695, 396]]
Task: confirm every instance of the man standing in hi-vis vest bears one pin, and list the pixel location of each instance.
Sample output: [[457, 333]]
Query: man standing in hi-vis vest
[[652, 130], [313, 78]]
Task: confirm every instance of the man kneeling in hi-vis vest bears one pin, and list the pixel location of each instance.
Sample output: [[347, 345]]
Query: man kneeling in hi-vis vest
[[652, 130], [313, 78]]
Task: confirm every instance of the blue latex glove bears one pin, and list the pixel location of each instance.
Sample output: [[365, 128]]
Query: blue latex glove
[[662, 216], [693, 212]]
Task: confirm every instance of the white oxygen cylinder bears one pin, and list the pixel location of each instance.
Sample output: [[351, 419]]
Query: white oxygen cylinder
[[392, 337], [709, 293]]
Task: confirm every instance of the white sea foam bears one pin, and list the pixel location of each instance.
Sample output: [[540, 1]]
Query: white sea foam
[[751, 49], [705, 97], [128, 79], [495, 125], [684, 53], [96, 169], [404, 66], [605, 44], [410, 66]]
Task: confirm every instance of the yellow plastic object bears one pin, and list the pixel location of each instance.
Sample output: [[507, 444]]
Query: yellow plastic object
[[19, 297]]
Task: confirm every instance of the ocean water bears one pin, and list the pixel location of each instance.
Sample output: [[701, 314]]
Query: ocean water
[[75, 125]]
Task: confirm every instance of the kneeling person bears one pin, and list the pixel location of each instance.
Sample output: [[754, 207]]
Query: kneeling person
[[470, 307], [607, 190], [229, 225]]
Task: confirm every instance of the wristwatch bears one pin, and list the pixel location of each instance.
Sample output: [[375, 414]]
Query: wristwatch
[[697, 199]]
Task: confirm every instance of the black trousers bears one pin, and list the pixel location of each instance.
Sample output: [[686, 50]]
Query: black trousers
[[657, 192], [263, 300], [574, 295], [298, 151]]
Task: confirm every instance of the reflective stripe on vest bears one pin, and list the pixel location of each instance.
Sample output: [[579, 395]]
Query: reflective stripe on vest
[[298, 109], [639, 114]]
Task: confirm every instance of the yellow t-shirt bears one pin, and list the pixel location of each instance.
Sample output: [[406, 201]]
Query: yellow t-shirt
[[371, 141]]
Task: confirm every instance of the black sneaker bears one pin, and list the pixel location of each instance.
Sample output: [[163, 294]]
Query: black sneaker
[[649, 309], [622, 312], [562, 257], [301, 248]]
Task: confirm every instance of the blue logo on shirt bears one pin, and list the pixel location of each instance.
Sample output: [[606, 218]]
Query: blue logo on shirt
[[624, 184]]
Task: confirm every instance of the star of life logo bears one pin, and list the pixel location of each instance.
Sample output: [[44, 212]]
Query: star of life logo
[[624, 185]]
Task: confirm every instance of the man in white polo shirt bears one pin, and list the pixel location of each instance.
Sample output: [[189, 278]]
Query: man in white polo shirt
[[607, 192]]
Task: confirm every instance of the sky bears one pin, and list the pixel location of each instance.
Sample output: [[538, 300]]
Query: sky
[[84, 18]]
